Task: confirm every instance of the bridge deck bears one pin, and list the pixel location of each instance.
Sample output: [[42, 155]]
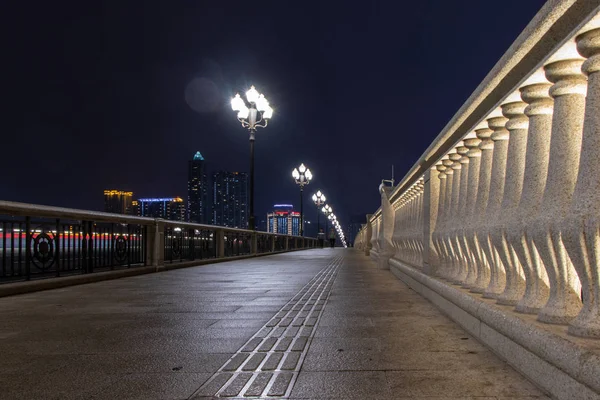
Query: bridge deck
[[311, 324]]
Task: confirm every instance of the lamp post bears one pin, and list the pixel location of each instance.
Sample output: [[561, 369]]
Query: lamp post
[[327, 210], [302, 176], [319, 199], [255, 115]]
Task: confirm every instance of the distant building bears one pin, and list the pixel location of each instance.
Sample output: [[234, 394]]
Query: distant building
[[118, 202], [230, 199], [172, 208], [284, 220], [198, 207]]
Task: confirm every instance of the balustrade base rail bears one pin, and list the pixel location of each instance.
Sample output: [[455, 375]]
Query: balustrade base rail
[[566, 366]]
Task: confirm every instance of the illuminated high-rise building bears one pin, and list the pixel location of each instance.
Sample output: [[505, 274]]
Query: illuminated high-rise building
[[172, 208], [198, 208], [230, 199], [284, 220], [118, 202]]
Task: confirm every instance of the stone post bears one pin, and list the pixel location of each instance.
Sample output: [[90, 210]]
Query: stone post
[[568, 91], [386, 249], [517, 126], [460, 269], [581, 229], [496, 123], [468, 234], [482, 267], [453, 221], [155, 248], [434, 266], [368, 234], [428, 219], [446, 261], [535, 93]]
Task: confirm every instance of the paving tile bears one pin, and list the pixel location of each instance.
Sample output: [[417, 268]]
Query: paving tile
[[259, 384], [342, 385]]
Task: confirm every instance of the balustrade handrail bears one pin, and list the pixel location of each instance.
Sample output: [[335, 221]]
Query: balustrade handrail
[[36, 210], [546, 32]]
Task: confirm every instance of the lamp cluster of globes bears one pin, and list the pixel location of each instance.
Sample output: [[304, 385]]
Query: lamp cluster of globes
[[302, 175], [320, 199]]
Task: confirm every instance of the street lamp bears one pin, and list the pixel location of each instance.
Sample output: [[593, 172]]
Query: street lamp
[[319, 199], [326, 210], [255, 115], [302, 176]]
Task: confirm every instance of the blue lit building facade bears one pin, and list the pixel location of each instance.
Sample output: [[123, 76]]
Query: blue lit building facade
[[172, 208], [284, 220]]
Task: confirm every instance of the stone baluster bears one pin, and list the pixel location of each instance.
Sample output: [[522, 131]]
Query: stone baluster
[[497, 123], [452, 244], [535, 93], [419, 221], [441, 217], [398, 229], [568, 91], [482, 267], [581, 230], [446, 266], [474, 155], [517, 125], [460, 268]]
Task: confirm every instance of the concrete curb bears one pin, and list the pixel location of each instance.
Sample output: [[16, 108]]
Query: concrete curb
[[12, 289], [566, 367]]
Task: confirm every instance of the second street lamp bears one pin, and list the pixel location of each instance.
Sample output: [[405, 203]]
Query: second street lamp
[[326, 210], [252, 117], [302, 176], [319, 199]]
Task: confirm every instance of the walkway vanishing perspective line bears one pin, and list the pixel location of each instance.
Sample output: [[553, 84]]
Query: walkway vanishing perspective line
[[315, 324], [268, 364]]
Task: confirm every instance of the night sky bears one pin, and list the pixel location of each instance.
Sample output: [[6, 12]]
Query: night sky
[[101, 95]]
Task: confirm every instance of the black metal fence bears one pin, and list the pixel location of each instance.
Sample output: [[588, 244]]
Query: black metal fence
[[33, 248], [41, 242], [188, 244]]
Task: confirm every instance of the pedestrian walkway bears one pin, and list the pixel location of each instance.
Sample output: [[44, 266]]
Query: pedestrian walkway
[[315, 324]]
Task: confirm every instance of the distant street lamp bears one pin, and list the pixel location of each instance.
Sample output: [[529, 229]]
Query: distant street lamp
[[319, 199], [256, 115], [302, 176], [326, 210]]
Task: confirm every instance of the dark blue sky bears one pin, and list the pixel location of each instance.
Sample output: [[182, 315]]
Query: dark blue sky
[[96, 92]]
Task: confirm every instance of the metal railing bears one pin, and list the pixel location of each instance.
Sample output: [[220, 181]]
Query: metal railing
[[42, 242]]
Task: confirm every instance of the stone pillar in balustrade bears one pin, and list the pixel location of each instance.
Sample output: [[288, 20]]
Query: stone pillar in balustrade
[[460, 269], [474, 154], [482, 267], [368, 235], [386, 249], [434, 268], [517, 125], [534, 92], [452, 186], [581, 229], [568, 91], [454, 220], [497, 123]]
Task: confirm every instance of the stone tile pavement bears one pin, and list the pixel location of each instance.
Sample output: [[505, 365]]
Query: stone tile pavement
[[316, 324]]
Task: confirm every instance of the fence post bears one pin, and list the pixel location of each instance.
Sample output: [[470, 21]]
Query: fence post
[[253, 245], [155, 244], [220, 242]]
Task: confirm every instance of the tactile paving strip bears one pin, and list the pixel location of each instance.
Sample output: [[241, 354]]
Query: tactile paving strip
[[267, 365]]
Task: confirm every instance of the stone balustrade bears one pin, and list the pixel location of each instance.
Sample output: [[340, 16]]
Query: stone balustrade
[[504, 206]]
